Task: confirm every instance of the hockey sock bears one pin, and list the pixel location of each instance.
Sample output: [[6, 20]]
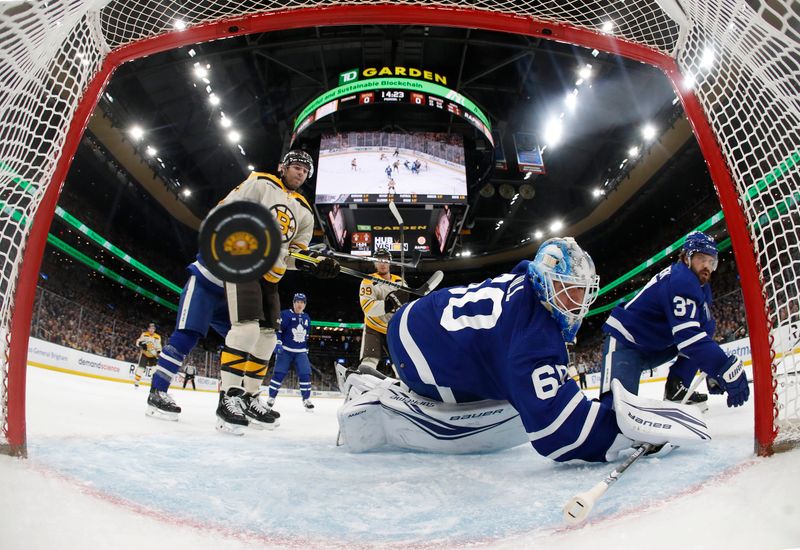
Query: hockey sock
[[232, 368], [275, 383], [171, 358], [305, 389], [254, 371]]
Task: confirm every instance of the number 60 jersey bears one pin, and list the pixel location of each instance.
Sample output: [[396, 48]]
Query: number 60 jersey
[[495, 340]]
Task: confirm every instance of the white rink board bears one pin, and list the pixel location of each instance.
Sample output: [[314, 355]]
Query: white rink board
[[63, 359]]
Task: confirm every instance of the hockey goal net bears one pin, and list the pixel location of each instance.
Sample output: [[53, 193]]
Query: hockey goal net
[[735, 66]]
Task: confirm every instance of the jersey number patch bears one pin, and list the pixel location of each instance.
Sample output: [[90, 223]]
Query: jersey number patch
[[546, 380], [682, 305]]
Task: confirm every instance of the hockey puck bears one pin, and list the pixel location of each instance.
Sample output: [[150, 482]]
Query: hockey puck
[[239, 241]]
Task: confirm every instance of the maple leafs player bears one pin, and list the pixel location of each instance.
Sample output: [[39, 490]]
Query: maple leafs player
[[670, 318], [292, 349], [486, 369]]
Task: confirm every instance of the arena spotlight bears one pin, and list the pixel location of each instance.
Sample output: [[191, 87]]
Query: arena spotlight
[[507, 191], [136, 132]]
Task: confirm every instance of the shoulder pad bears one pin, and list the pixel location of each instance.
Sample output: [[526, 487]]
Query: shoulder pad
[[683, 280], [270, 178], [301, 199]]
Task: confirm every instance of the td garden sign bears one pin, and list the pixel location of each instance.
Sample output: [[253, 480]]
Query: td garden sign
[[353, 75], [409, 85]]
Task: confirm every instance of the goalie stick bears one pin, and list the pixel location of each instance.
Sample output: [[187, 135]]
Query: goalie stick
[[422, 290], [578, 507], [396, 213]]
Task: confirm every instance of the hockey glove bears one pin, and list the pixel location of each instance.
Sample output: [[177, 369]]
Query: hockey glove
[[278, 348], [326, 268], [395, 300], [143, 346], [732, 380]]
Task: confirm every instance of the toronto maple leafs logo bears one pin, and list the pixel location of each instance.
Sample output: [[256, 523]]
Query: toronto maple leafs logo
[[299, 333]]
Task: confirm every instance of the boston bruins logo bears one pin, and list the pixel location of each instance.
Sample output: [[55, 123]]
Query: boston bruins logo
[[286, 221]]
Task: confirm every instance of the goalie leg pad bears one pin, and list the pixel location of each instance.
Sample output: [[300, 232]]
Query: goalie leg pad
[[405, 420], [657, 422]]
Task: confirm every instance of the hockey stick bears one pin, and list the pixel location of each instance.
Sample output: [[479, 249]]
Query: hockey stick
[[422, 290], [411, 265], [579, 506], [396, 213]]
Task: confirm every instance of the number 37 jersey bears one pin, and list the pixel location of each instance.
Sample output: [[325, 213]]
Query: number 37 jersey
[[495, 340]]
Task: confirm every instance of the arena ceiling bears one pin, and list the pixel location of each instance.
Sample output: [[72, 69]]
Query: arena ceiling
[[261, 82]]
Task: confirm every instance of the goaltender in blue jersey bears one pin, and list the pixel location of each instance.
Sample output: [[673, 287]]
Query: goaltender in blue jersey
[[486, 368]]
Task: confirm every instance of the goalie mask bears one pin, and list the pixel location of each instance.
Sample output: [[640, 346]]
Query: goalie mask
[[564, 279]]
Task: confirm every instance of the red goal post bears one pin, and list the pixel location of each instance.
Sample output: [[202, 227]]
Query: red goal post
[[735, 67]]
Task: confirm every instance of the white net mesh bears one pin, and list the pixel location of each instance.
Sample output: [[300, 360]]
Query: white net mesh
[[747, 87]]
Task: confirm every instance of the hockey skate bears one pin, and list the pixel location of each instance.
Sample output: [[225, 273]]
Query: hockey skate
[[230, 416], [675, 391], [270, 403], [258, 414], [308, 405], [161, 405]]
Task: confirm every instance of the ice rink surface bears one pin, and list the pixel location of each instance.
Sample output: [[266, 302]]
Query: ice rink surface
[[101, 473]]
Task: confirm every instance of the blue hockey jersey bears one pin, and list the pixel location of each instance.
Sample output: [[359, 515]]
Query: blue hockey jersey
[[495, 340], [671, 312], [294, 331]]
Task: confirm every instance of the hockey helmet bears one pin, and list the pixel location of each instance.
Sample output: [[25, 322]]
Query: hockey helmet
[[299, 297], [697, 241], [562, 260], [298, 156], [383, 254]]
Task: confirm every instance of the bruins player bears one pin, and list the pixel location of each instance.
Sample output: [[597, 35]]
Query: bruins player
[[248, 317], [149, 344], [378, 302], [254, 307]]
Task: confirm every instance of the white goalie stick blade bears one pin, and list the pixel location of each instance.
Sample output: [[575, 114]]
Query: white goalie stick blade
[[153, 412], [430, 285], [395, 212]]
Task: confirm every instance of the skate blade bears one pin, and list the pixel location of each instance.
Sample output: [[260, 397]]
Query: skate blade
[[161, 415], [264, 425], [230, 429], [310, 411]]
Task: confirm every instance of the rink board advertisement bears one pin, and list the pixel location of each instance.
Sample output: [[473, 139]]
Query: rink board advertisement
[[740, 348], [51, 356]]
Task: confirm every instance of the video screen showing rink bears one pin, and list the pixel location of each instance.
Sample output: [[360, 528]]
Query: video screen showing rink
[[101, 473], [373, 167]]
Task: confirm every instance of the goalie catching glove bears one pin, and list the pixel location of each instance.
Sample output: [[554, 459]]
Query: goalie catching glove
[[732, 380], [395, 300], [324, 267]]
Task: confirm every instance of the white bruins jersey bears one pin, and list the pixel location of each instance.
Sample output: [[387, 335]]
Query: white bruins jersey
[[291, 211], [372, 295], [153, 342]]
